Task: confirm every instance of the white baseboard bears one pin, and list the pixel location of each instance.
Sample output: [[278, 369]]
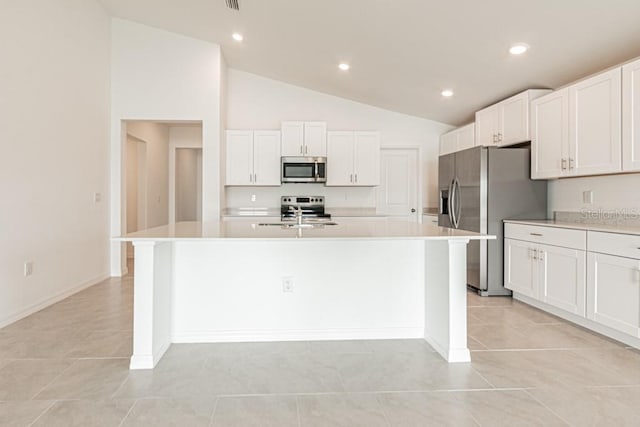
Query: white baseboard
[[581, 321], [451, 355], [46, 302], [296, 335]]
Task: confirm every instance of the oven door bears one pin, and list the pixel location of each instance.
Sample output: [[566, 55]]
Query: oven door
[[303, 169]]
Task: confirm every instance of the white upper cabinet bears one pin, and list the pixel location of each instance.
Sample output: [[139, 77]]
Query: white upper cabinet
[[631, 117], [304, 139], [239, 167], [576, 131], [550, 135], [266, 157], [253, 158], [506, 122], [353, 158], [457, 139], [595, 125]]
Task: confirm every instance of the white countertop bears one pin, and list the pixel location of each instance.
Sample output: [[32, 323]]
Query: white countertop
[[607, 228], [347, 229]]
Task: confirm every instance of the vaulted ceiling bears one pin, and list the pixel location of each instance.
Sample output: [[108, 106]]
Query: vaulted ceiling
[[403, 53]]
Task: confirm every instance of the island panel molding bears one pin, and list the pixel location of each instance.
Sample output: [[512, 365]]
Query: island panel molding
[[361, 279]]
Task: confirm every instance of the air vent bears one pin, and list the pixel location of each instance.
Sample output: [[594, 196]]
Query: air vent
[[233, 4]]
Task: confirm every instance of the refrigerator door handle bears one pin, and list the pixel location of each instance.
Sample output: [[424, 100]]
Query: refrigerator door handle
[[455, 203]]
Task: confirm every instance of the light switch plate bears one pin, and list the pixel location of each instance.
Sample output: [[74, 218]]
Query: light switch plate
[[587, 196]]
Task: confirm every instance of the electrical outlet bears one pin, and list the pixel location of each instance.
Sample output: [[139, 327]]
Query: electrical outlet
[[253, 197], [287, 284], [587, 196], [97, 197], [28, 268]]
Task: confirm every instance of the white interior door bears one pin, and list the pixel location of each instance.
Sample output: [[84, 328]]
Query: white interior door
[[398, 190]]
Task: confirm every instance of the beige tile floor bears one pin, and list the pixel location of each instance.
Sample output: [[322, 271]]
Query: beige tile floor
[[67, 365]]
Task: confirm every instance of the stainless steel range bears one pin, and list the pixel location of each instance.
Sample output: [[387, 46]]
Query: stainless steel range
[[311, 207]]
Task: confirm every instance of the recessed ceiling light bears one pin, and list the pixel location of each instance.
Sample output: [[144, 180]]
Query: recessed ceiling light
[[518, 48], [447, 92], [344, 66], [237, 37]]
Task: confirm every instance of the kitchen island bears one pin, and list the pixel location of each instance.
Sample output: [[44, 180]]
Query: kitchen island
[[259, 281]]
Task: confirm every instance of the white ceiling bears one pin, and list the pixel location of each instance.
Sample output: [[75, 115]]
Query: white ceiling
[[404, 52]]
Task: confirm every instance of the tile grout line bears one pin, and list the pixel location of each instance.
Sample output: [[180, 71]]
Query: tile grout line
[[548, 408], [54, 379], [43, 412], [384, 413], [213, 412], [135, 402]]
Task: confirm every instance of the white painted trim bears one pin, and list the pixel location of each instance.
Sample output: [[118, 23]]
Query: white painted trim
[[44, 303], [148, 361], [451, 355], [581, 321], [296, 335]]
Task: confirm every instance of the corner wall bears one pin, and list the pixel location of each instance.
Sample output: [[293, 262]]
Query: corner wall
[[156, 76], [54, 104]]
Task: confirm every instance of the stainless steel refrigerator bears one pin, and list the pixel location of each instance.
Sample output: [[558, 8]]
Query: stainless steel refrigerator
[[480, 187]]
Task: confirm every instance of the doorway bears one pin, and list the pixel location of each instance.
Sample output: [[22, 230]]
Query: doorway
[[188, 184], [398, 193]]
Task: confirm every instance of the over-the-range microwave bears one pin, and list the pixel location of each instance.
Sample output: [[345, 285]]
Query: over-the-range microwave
[[304, 169]]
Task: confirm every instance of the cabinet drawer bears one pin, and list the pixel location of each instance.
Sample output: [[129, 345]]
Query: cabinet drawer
[[576, 239], [625, 245]]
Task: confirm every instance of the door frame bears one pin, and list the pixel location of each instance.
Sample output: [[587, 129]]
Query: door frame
[[419, 185]]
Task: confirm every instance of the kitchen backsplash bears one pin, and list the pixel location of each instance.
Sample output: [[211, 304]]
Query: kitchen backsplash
[[361, 197]]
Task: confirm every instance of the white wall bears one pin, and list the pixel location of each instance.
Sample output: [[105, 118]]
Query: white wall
[[609, 193], [158, 75], [255, 102], [54, 104], [187, 184], [156, 139]]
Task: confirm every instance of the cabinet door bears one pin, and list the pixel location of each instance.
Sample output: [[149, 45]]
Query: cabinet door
[[561, 278], [315, 139], [366, 158], [519, 274], [631, 117], [292, 138], [239, 157], [448, 143], [595, 125], [340, 158], [466, 137], [550, 135], [266, 158], [613, 292], [514, 120], [487, 122]]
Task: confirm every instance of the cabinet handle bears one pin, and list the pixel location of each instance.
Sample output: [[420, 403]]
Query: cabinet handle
[[571, 163], [250, 178], [499, 137], [351, 178], [540, 256], [301, 152], [495, 138], [563, 164], [536, 234], [532, 253], [356, 177], [306, 149], [255, 178]]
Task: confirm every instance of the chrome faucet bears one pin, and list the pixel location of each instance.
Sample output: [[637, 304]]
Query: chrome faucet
[[298, 211]]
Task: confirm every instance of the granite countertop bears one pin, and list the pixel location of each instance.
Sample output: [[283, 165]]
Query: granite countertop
[[346, 229]]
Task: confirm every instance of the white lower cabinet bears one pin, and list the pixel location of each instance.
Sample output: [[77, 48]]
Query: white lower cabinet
[[613, 292], [592, 277], [562, 278], [552, 274], [520, 267]]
